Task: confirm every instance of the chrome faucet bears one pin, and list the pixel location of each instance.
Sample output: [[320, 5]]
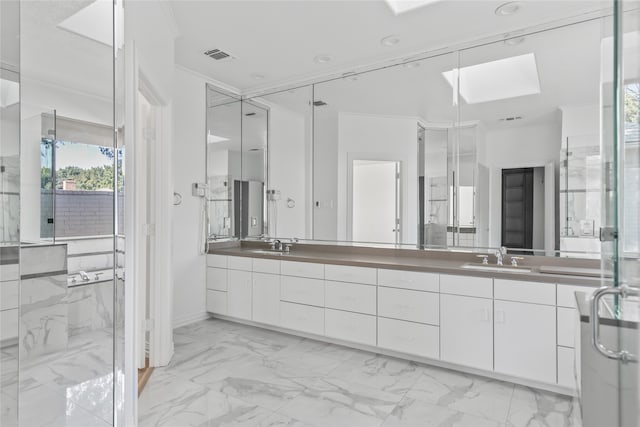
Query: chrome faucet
[[84, 276], [276, 245], [500, 253]]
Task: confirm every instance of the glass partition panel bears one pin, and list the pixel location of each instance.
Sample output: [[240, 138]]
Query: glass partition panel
[[224, 159], [375, 118], [534, 102], [253, 182], [67, 304], [288, 196]]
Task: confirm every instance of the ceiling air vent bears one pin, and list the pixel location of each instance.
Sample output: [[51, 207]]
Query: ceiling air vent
[[511, 119], [319, 103], [250, 114], [218, 55]]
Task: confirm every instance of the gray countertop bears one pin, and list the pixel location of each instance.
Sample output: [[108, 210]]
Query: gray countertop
[[426, 261]]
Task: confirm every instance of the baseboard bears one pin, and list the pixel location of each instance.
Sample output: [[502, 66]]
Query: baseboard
[[189, 318]]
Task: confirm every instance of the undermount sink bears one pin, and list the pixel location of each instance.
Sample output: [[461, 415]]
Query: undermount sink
[[266, 252], [500, 268]]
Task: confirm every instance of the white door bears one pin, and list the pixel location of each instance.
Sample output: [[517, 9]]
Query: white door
[[466, 331], [525, 340], [375, 201]]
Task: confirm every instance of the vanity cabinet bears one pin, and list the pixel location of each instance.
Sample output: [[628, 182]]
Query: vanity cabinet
[[466, 331], [522, 329], [239, 294], [525, 343]]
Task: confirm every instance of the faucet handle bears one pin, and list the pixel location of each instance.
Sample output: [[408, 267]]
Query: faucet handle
[[287, 248], [515, 259], [485, 258]]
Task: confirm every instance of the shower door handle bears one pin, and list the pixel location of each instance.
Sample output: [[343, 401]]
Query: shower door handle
[[623, 292]]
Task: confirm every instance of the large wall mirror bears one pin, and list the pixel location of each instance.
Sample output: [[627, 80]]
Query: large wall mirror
[[493, 145]]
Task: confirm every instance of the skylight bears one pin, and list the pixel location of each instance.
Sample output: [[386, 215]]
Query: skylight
[[9, 93], [212, 139], [93, 21], [402, 6], [495, 80]]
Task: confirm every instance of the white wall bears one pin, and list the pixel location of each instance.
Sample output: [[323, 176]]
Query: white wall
[[369, 137], [288, 170], [524, 146], [189, 154]]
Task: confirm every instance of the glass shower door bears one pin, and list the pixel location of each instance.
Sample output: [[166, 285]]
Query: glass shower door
[[435, 194]]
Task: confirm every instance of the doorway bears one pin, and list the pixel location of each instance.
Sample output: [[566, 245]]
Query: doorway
[[517, 208], [375, 201]]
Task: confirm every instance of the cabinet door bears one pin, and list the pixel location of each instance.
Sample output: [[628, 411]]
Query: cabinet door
[[266, 298], [466, 331], [216, 302], [525, 340], [239, 294]]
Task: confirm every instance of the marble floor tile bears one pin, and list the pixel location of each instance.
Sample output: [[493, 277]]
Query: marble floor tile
[[411, 412], [180, 403], [381, 372], [536, 408], [466, 393], [46, 408], [8, 410], [279, 420], [335, 402]]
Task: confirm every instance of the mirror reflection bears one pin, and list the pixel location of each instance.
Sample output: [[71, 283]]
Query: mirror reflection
[[490, 146]]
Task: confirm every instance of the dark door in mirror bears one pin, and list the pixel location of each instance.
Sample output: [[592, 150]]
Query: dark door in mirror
[[517, 208]]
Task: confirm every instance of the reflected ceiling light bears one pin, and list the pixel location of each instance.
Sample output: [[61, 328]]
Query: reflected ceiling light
[[514, 41], [9, 93], [508, 9], [351, 76], [213, 139], [322, 59], [402, 6], [391, 40], [257, 76], [93, 22], [495, 80], [413, 64]]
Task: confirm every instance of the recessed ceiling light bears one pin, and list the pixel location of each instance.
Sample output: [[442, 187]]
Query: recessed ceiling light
[[401, 6], [351, 76], [412, 64], [322, 59], [257, 76], [509, 8], [391, 40], [491, 81]]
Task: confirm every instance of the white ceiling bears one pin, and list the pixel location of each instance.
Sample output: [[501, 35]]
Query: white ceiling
[[279, 39]]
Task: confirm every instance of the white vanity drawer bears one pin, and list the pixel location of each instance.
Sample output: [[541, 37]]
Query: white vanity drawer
[[409, 280], [8, 324], [567, 318], [219, 261], [531, 292], [350, 297], [9, 295], [302, 290], [216, 302], [566, 294], [217, 278], [9, 272], [261, 265], [481, 287], [404, 304], [347, 273], [408, 337], [302, 269], [302, 318], [348, 326], [239, 263], [567, 367]]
